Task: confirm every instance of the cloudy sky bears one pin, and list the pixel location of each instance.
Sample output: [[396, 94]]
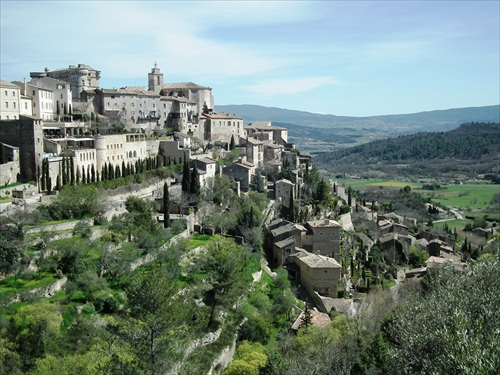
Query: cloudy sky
[[353, 58]]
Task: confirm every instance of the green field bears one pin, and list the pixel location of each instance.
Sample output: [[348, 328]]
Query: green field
[[359, 184], [466, 198], [473, 199]]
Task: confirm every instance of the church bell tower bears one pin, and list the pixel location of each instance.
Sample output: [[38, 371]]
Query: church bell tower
[[155, 80]]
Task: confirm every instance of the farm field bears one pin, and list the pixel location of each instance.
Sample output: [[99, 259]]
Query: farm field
[[470, 198]]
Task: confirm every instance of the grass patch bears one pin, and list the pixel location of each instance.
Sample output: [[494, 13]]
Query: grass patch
[[198, 240], [10, 286]]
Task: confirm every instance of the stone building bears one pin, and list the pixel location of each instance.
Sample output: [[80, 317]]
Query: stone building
[[317, 273], [220, 127], [27, 135], [80, 78], [283, 190], [241, 172], [10, 101], [322, 237]]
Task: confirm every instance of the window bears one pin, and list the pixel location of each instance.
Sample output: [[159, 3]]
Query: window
[[6, 94], [34, 93], [14, 104], [25, 105], [6, 104], [13, 93], [132, 104]]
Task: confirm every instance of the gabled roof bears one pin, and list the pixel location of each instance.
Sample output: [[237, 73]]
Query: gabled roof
[[136, 90], [323, 223], [286, 242], [8, 84], [285, 181], [318, 319], [318, 261], [220, 116], [184, 85], [205, 160]]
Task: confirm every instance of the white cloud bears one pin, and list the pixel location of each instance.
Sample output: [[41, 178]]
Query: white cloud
[[291, 86]]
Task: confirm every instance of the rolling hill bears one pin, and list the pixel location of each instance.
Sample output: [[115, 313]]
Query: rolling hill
[[314, 132], [469, 150]]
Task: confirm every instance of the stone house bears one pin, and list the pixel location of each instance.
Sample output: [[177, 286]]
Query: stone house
[[241, 172], [10, 101], [317, 273], [207, 165], [283, 189], [264, 130], [220, 127], [322, 237]]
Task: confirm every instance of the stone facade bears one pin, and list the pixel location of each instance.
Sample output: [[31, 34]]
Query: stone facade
[[241, 172], [318, 273], [80, 78], [26, 134], [322, 237], [10, 100], [220, 127]]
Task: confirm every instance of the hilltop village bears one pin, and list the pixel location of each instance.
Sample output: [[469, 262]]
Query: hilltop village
[[143, 232], [62, 128]]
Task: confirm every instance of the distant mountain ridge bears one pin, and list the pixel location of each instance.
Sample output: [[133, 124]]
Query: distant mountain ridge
[[438, 120]]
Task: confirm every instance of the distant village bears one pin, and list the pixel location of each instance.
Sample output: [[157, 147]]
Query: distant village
[[64, 114]]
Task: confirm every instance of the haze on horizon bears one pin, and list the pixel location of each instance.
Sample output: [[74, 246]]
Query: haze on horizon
[[348, 58]]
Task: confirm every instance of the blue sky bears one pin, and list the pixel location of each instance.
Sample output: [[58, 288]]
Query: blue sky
[[355, 58]]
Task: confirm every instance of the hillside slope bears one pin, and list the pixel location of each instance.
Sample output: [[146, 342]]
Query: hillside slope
[[472, 148]]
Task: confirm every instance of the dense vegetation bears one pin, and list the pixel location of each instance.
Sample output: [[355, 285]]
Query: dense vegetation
[[472, 148]]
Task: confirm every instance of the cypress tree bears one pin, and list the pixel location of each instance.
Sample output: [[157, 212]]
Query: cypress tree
[[117, 172], [47, 174], [92, 174], [166, 206], [43, 180], [186, 178], [58, 182], [84, 179], [111, 172], [64, 174], [194, 188], [124, 169], [77, 178], [291, 208], [49, 185], [231, 144], [104, 172]]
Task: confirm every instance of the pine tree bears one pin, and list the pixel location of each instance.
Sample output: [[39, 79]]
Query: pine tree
[[306, 319], [166, 206]]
